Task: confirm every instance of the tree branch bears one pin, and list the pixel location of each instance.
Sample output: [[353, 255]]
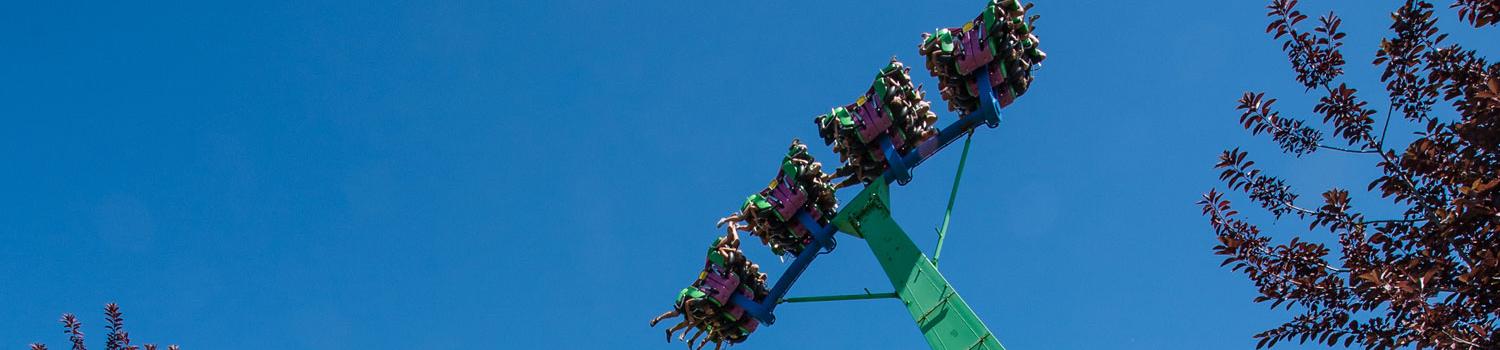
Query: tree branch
[[1387, 127], [1366, 222], [1340, 149]]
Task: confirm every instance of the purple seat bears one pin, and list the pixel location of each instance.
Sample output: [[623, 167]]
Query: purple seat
[[1002, 90], [797, 228], [750, 324], [975, 48], [735, 312], [896, 141], [787, 198], [873, 120], [720, 286], [877, 152]]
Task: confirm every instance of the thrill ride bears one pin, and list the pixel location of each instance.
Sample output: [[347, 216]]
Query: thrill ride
[[981, 67]]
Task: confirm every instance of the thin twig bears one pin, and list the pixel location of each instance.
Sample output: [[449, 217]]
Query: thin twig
[[1381, 144], [1348, 150], [1266, 253], [1389, 221], [1304, 211]]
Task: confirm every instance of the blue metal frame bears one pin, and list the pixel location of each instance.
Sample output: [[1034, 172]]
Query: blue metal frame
[[988, 114], [822, 239], [899, 170]]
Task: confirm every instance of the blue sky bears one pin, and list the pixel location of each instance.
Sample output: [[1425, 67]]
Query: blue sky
[[528, 175]]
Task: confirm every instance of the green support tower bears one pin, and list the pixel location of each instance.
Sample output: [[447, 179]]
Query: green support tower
[[946, 321], [981, 67]]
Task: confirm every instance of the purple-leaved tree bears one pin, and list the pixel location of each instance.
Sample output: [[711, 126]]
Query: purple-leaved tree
[[1428, 277]]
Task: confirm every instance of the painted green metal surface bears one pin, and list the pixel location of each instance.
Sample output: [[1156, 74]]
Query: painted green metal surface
[[946, 321], [865, 296], [948, 214]]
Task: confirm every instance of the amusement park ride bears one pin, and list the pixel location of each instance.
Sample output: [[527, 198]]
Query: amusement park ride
[[981, 66]]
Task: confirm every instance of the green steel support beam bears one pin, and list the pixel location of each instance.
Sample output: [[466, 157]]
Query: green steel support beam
[[948, 214], [840, 297], [943, 317]]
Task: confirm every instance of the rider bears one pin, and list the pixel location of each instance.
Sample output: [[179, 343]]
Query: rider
[[688, 300]]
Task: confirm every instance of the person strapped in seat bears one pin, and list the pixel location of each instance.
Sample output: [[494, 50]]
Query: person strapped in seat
[[771, 214], [892, 110], [706, 305], [1000, 42]]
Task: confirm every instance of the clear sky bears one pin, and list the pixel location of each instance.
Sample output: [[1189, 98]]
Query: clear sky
[[546, 174]]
